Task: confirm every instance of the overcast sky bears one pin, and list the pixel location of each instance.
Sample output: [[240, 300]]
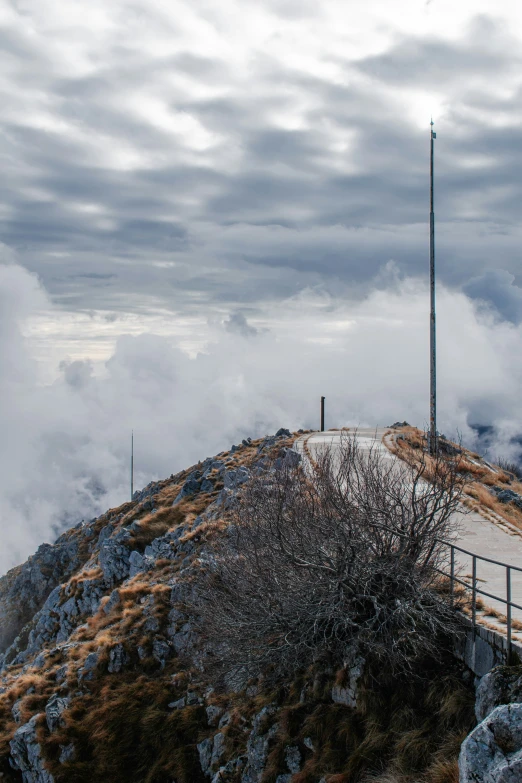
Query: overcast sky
[[247, 180]]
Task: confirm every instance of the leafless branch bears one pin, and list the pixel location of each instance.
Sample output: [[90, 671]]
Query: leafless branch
[[336, 558]]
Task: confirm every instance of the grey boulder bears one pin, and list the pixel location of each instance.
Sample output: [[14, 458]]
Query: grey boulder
[[26, 754], [191, 487], [235, 477], [508, 496], [53, 710], [258, 745], [502, 685], [492, 753]]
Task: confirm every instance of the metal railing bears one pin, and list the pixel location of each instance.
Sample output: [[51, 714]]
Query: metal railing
[[472, 587]]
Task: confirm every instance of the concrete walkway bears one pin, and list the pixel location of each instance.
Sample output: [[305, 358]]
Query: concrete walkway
[[477, 534]]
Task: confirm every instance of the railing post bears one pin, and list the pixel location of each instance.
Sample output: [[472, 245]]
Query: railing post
[[508, 593], [452, 578], [474, 592]]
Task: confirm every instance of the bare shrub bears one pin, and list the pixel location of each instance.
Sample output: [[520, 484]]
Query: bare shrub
[[510, 467], [337, 557]]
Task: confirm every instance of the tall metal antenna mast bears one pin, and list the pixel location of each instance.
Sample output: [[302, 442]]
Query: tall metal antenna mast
[[432, 437], [132, 463]]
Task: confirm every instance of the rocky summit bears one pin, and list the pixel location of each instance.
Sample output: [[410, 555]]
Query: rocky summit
[[102, 676]]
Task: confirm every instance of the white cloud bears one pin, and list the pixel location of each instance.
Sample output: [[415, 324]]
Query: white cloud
[[64, 451]]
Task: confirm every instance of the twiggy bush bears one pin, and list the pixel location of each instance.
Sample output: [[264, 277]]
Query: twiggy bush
[[335, 558]]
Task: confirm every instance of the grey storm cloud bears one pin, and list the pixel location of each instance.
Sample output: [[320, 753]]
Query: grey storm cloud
[[349, 186], [238, 323], [496, 287], [488, 49]]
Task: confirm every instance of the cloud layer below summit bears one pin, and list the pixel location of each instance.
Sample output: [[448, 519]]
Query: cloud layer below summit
[[65, 446]]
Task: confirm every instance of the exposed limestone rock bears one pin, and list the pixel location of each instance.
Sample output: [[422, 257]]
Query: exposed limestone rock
[[15, 711], [502, 685], [148, 491], [61, 673], [258, 745], [86, 672], [224, 720], [509, 496], [184, 639], [291, 458], [161, 651], [166, 547], [210, 752], [26, 754], [191, 486], [492, 753], [24, 590], [58, 618], [114, 558], [218, 749], [348, 695], [233, 766], [236, 477], [118, 658], [205, 754], [136, 563], [179, 704], [293, 758], [53, 710], [213, 714], [114, 600]]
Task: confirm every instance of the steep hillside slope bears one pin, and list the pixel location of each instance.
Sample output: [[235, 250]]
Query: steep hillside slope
[[102, 679]]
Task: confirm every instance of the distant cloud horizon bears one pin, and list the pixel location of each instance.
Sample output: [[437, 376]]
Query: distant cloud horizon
[[65, 446]]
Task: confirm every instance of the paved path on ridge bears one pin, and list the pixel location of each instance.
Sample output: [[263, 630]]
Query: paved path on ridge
[[477, 534]]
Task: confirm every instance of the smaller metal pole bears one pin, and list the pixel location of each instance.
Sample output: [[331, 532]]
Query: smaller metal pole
[[508, 590], [452, 585], [474, 593], [132, 463], [322, 413]]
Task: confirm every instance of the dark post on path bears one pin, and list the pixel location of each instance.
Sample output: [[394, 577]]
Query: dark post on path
[[322, 413], [132, 465]]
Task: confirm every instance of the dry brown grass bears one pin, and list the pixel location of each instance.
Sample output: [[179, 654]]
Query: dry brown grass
[[477, 497], [123, 731], [401, 732], [154, 525], [42, 684], [443, 772], [481, 494]]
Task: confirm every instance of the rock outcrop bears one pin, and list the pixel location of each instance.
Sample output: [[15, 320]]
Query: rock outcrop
[[127, 572], [26, 754], [492, 753], [502, 685]]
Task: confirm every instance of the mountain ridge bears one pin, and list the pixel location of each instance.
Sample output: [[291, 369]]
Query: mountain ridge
[[102, 676]]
